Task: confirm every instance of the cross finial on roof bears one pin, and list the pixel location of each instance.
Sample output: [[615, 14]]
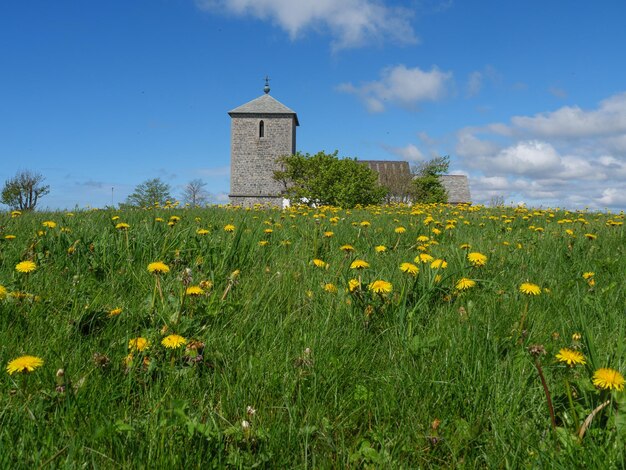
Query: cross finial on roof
[[266, 88]]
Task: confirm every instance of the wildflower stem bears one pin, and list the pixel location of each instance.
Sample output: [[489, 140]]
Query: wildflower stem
[[182, 304], [230, 284], [571, 403], [158, 283], [154, 293], [589, 418], [523, 319], [547, 393]]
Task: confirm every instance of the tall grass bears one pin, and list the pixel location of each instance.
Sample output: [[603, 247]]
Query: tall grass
[[426, 375]]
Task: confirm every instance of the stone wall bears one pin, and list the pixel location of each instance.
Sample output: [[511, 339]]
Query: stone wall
[[253, 158], [249, 201]]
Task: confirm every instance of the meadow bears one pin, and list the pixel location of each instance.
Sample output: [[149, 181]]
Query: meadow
[[380, 337]]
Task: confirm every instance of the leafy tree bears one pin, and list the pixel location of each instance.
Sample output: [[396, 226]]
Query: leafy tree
[[150, 192], [24, 190], [427, 186], [194, 193], [325, 179]]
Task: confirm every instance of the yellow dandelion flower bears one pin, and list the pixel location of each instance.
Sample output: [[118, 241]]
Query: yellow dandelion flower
[[268, 231], [529, 288], [576, 337], [424, 258], [329, 234], [346, 248], [15, 214], [49, 224], [25, 267], [423, 238], [158, 267], [380, 287], [399, 230], [570, 357], [9, 237], [409, 268], [331, 288], [608, 379], [24, 364], [173, 341], [353, 285], [436, 231], [194, 291], [264, 243], [202, 231], [229, 228], [365, 223], [590, 236], [588, 275], [359, 264], [138, 344], [115, 312], [115, 217], [465, 283], [320, 263], [477, 259], [122, 226], [465, 246], [159, 219], [439, 264], [3, 292], [380, 248]]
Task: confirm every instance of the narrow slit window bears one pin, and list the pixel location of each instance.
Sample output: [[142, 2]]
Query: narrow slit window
[[261, 129]]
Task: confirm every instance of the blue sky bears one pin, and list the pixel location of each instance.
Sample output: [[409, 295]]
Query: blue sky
[[528, 98]]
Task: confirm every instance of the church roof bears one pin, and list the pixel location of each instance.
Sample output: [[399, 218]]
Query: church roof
[[264, 104], [456, 186]]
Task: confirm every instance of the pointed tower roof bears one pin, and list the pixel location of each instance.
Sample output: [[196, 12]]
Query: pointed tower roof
[[264, 104]]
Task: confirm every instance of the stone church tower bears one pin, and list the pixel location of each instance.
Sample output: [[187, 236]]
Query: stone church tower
[[261, 131]]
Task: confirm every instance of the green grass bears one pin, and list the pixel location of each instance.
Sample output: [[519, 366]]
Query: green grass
[[425, 376]]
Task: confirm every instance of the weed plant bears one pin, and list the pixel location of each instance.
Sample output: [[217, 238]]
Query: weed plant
[[290, 358]]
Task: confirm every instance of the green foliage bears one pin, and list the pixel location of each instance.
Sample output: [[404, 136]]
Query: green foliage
[[23, 191], [427, 186], [325, 179], [149, 193], [423, 377]]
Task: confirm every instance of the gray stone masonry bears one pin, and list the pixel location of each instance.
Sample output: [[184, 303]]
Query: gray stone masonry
[[253, 158]]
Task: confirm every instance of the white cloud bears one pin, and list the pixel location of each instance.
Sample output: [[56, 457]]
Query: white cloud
[[474, 83], [569, 157], [468, 145], [574, 122], [558, 92], [213, 172], [613, 197], [351, 23], [476, 80], [525, 158], [409, 153], [402, 86]]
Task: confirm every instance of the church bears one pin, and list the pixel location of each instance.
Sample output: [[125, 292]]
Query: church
[[263, 130]]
